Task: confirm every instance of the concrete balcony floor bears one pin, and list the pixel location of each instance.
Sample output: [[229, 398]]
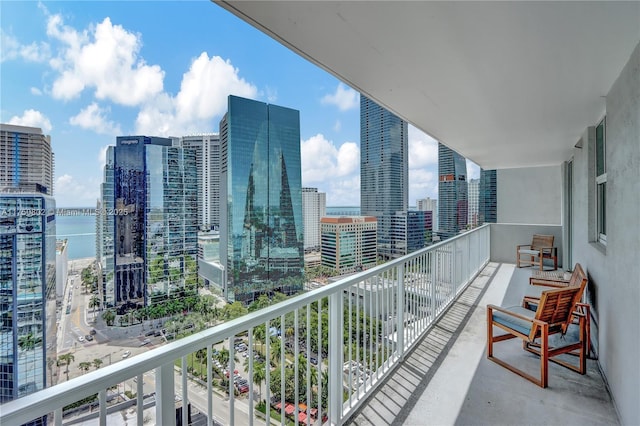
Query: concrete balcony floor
[[447, 379]]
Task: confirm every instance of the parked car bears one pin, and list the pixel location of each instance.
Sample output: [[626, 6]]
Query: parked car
[[125, 354], [93, 331], [81, 339], [88, 337], [145, 342]]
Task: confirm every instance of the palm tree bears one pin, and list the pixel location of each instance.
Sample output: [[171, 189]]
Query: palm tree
[[94, 303], [50, 362], [28, 341], [66, 359], [259, 375], [84, 366], [108, 317], [97, 362]]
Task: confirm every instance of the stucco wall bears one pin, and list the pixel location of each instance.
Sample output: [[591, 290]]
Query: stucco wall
[[614, 270], [505, 237], [538, 195]]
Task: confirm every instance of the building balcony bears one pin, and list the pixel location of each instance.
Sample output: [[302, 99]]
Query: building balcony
[[403, 342]]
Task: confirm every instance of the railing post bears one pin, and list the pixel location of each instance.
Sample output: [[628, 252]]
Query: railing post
[[57, 417], [185, 400], [140, 399], [165, 399], [102, 405], [400, 311], [336, 343]]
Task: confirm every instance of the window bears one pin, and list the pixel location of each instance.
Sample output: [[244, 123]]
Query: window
[[601, 182]]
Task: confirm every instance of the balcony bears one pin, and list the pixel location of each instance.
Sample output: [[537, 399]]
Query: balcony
[[405, 342]]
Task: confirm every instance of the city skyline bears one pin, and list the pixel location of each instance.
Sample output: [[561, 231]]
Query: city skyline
[[187, 77]]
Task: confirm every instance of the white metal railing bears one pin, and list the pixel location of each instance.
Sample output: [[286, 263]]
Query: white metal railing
[[325, 350]]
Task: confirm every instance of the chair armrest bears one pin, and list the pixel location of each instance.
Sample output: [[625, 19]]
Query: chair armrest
[[523, 245], [508, 312], [530, 300], [548, 282]]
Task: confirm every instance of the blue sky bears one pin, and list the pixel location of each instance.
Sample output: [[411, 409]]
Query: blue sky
[[86, 72]]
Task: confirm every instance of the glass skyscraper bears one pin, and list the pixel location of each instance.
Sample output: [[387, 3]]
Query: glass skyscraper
[[27, 292], [207, 153], [452, 192], [261, 230], [27, 263], [383, 171], [149, 221], [487, 201]]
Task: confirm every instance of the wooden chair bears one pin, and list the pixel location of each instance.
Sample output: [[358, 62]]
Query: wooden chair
[[554, 313], [541, 248], [578, 278]]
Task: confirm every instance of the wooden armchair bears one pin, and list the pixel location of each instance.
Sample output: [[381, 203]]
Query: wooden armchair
[[578, 279], [554, 313], [541, 248]]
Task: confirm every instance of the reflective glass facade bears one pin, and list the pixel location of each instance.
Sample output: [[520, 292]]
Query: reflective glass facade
[[487, 199], [149, 221], [261, 223], [27, 292], [383, 169], [452, 192]]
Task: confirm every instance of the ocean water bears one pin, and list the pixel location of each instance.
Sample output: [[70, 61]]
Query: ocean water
[[80, 230]]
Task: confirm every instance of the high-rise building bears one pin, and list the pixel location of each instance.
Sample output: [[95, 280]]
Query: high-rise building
[[473, 188], [207, 150], [383, 170], [349, 243], [452, 192], [487, 200], [429, 205], [261, 227], [314, 207], [26, 158], [28, 289], [27, 262], [149, 225]]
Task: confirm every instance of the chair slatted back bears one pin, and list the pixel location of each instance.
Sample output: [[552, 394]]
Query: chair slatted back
[[578, 277], [540, 241], [556, 307]]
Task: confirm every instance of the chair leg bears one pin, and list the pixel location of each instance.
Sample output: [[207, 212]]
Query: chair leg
[[544, 356], [489, 332]]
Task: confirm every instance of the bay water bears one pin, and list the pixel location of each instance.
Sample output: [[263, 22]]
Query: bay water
[[80, 230]]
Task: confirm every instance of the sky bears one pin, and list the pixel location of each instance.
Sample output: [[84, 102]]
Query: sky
[[88, 71]]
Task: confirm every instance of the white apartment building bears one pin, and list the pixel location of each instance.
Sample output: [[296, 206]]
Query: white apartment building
[[473, 198], [207, 147], [26, 158], [429, 205], [314, 208]]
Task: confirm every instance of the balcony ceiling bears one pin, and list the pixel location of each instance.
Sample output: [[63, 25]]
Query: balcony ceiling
[[506, 84]]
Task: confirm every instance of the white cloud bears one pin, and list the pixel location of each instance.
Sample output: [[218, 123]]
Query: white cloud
[[36, 91], [345, 98], [205, 87], [70, 192], [423, 149], [32, 118], [334, 170], [105, 58], [423, 183], [338, 126], [473, 170], [423, 165], [102, 156], [13, 49], [202, 97], [94, 118]]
